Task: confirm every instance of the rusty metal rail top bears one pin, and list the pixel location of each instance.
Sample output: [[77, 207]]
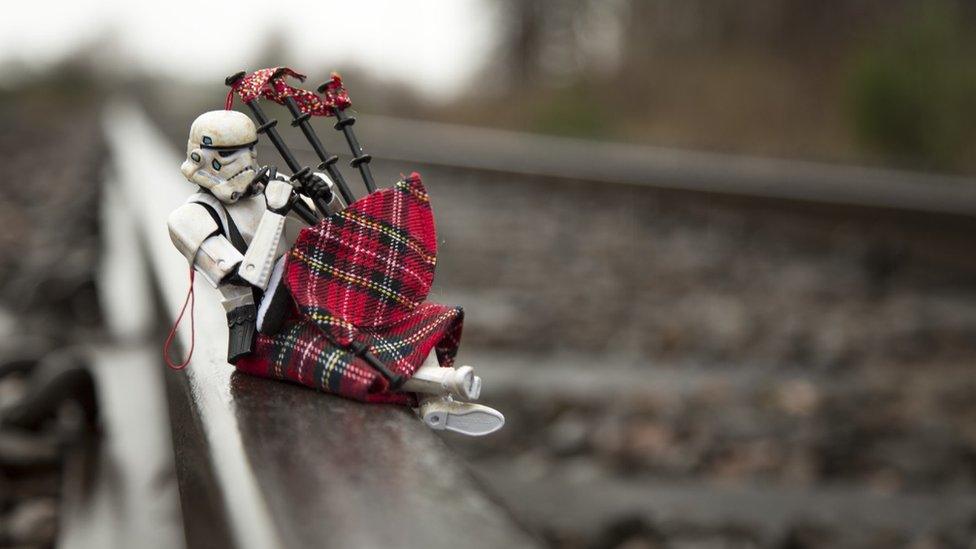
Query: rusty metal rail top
[[596, 161], [265, 464]]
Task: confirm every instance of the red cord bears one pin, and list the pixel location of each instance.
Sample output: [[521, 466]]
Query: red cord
[[191, 300], [229, 102]]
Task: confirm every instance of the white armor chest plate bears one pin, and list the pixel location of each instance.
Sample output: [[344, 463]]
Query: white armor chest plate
[[246, 214]]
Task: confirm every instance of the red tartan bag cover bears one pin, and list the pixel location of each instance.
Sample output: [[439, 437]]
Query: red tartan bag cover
[[369, 265], [363, 274]]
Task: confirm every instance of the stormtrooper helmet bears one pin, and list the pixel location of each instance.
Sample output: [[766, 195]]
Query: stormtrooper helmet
[[220, 155]]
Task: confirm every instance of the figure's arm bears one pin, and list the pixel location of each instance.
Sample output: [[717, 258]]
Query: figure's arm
[[259, 259], [198, 237]]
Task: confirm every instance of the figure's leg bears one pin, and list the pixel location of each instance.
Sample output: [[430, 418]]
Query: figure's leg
[[440, 411], [432, 379], [276, 303], [467, 418]]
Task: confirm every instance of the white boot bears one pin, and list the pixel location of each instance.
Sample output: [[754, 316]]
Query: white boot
[[474, 420], [432, 379]]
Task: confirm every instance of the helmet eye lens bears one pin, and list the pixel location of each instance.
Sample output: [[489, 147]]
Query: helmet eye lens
[[229, 152]]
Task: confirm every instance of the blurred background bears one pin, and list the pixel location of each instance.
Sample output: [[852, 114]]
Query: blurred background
[[716, 256]]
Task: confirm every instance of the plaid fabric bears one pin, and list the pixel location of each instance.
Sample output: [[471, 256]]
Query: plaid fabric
[[363, 274], [270, 84], [369, 265], [302, 353]]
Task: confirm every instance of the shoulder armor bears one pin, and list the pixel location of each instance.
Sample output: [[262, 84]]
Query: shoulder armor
[[189, 225]]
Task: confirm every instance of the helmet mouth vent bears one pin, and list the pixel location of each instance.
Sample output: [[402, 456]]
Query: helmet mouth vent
[[244, 169]]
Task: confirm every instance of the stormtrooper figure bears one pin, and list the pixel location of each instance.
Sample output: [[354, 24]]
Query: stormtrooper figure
[[236, 232]]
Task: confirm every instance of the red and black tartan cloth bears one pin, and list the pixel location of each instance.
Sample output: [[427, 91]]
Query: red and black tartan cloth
[[362, 274]]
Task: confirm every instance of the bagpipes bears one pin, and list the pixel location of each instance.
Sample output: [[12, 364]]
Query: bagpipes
[[303, 104], [414, 242]]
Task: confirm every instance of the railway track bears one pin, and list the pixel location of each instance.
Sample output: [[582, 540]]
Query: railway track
[[275, 465]]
